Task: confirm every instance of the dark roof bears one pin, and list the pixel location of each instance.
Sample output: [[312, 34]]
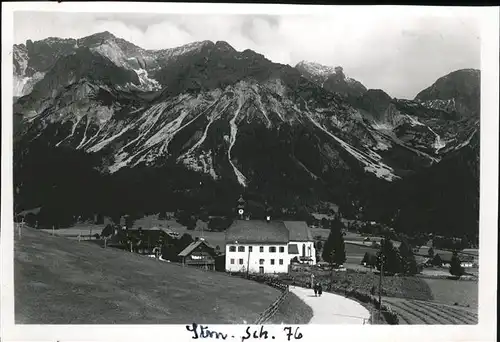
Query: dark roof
[[471, 251], [257, 231], [421, 259], [466, 258], [293, 248], [298, 231], [191, 247], [422, 250]]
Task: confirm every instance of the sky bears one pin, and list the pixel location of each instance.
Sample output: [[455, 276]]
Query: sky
[[400, 55]]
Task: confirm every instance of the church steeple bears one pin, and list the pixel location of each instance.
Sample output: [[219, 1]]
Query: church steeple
[[241, 208], [268, 212]]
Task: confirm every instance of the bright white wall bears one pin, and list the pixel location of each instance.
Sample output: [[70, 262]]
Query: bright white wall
[[255, 256], [311, 252]]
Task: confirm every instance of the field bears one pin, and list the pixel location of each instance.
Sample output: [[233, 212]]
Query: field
[[214, 238], [350, 236], [448, 291], [405, 287], [429, 312], [355, 253], [415, 300], [62, 281], [78, 229]]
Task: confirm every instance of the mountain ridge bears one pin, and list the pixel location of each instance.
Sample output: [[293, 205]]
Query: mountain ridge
[[231, 118]]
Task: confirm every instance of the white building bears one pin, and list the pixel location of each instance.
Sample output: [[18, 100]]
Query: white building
[[267, 246]]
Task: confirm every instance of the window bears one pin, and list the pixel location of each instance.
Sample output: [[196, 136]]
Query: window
[[241, 261], [250, 248], [232, 261], [261, 249], [272, 261], [272, 249], [261, 262], [232, 248], [241, 248], [282, 249], [281, 261]]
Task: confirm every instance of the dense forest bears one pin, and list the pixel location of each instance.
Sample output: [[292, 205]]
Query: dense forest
[[68, 184]]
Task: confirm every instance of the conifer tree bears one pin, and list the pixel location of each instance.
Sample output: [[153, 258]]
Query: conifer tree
[[408, 262], [334, 247], [389, 256], [456, 268]]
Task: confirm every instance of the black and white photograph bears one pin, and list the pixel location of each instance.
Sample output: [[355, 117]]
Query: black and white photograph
[[247, 168]]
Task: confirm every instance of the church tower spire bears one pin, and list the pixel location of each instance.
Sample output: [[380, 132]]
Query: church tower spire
[[268, 211], [241, 208]]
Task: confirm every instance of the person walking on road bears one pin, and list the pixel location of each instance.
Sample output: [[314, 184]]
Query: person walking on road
[[320, 289], [315, 287]]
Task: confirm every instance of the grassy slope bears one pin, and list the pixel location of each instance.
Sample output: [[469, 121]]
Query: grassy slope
[[61, 281], [292, 311]]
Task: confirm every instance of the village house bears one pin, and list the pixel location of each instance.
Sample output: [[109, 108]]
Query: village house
[[199, 254], [443, 259], [266, 246]]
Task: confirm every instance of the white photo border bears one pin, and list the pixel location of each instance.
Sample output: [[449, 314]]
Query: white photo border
[[485, 330]]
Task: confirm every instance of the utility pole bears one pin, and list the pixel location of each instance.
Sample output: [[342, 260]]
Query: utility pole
[[380, 288]]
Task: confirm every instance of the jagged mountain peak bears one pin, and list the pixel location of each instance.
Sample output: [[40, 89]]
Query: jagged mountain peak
[[315, 68], [330, 78], [458, 91], [192, 46], [378, 93], [102, 35], [223, 45]]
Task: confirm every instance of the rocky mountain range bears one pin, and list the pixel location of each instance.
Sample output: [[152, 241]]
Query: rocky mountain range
[[204, 112]]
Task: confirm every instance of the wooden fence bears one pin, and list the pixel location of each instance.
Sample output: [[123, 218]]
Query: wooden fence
[[267, 314]]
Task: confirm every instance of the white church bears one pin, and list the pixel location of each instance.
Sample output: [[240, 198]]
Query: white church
[[267, 246]]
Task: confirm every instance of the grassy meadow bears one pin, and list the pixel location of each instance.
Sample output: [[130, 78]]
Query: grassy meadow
[[63, 281]]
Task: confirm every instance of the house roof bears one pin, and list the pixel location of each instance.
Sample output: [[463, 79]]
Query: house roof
[[471, 251], [298, 231], [466, 258], [319, 216], [421, 259], [257, 231], [191, 247], [422, 250]]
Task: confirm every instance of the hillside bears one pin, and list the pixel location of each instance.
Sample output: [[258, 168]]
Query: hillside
[[60, 281]]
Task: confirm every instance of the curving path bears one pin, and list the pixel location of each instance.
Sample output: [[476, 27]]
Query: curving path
[[331, 308]]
